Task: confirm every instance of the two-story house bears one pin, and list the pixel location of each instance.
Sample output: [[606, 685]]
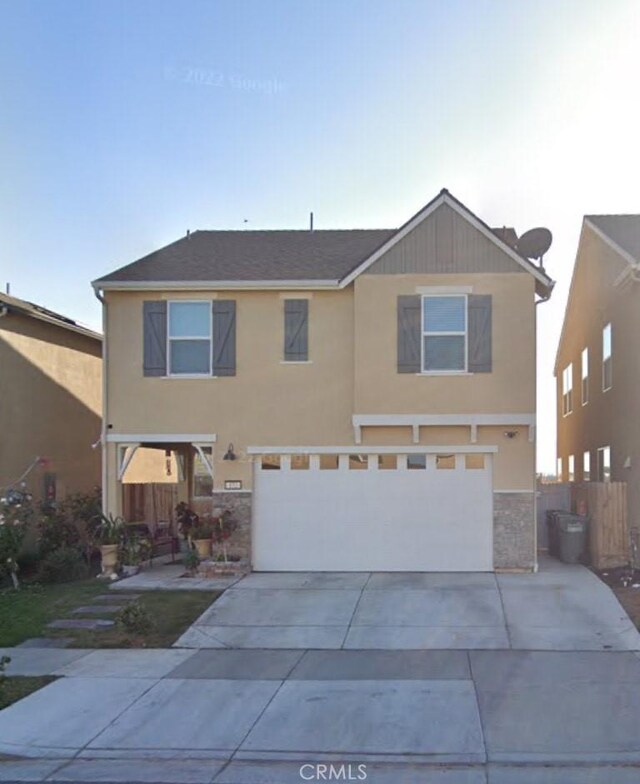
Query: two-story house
[[597, 365], [50, 402], [363, 400]]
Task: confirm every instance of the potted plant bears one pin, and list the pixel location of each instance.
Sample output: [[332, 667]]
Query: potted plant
[[186, 519], [191, 562], [201, 537], [133, 551], [109, 535]]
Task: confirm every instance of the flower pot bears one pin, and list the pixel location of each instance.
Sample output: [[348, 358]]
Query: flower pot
[[109, 553], [203, 547]]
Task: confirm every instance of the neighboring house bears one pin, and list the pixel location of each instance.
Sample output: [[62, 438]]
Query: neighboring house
[[597, 365], [375, 387], [50, 402]]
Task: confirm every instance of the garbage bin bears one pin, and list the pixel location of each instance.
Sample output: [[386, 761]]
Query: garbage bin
[[572, 537], [552, 531]]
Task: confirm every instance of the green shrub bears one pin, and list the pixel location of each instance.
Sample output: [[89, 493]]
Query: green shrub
[[62, 566], [135, 619]]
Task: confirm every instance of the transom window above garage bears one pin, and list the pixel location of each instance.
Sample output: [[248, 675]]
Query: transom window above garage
[[444, 333]]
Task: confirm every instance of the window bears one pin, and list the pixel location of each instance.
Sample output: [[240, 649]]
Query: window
[[586, 467], [387, 462], [606, 358], [444, 334], [299, 462], [189, 343], [446, 462], [567, 390], [472, 462], [329, 462], [585, 376], [202, 479], [559, 470], [270, 462], [358, 462], [604, 464], [416, 462], [572, 468]]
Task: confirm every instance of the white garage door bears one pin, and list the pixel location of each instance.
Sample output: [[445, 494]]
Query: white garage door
[[376, 512]]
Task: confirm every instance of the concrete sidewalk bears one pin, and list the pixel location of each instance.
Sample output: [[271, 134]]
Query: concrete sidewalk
[[256, 716]]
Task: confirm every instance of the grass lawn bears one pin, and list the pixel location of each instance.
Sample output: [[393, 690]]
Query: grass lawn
[[15, 688], [25, 613]]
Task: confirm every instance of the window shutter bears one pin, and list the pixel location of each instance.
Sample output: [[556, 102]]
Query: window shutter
[[480, 360], [155, 337], [296, 330], [409, 333], [224, 337]]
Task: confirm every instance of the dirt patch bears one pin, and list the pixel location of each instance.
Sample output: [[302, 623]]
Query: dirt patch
[[625, 583]]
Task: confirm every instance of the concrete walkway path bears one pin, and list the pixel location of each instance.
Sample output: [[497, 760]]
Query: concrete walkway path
[[559, 608], [257, 716]]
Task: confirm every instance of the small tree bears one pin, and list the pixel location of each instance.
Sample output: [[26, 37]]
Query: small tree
[[223, 528]]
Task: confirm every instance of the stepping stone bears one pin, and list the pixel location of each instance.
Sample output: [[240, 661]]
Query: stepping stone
[[93, 624], [97, 609], [121, 595], [46, 642]]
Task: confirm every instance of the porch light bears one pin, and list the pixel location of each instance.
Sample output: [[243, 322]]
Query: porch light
[[230, 454]]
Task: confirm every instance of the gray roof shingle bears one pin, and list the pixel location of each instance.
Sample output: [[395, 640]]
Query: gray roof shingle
[[256, 256], [624, 230]]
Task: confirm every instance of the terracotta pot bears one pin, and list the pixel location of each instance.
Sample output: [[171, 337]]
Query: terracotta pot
[[203, 547], [109, 553]]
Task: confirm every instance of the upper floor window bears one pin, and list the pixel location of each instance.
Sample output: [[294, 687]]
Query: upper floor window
[[189, 338], [586, 467], [567, 390], [604, 464], [572, 468], [444, 333], [559, 469], [606, 358], [585, 376]]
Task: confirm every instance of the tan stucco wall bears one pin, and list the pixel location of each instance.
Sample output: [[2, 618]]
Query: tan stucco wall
[[609, 418], [352, 369], [51, 390], [509, 388]]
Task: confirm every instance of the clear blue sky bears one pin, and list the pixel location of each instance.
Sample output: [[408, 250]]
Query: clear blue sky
[[122, 124]]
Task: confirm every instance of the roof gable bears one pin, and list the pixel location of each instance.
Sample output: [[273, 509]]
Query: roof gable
[[21, 306], [451, 228]]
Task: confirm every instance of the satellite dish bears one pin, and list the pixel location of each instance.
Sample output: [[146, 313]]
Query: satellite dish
[[534, 243]]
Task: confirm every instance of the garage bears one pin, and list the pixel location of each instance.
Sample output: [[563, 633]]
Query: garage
[[384, 510]]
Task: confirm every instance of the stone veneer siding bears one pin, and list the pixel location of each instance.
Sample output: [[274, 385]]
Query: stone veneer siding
[[239, 504], [514, 527]]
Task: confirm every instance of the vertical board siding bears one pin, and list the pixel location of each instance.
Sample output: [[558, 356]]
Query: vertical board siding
[[444, 242]]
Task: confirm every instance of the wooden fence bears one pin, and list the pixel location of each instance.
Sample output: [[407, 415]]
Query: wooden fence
[[151, 503], [606, 505]]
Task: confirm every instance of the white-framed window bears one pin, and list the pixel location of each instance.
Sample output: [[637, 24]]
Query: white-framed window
[[559, 469], [607, 379], [444, 333], [586, 467], [567, 390], [572, 469], [189, 338], [584, 369], [604, 464]]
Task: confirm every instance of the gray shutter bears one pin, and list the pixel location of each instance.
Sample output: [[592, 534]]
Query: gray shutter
[[296, 330], [224, 337], [479, 333], [409, 333], [155, 337]]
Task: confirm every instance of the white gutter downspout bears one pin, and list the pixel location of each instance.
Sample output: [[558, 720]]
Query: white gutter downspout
[[103, 431]]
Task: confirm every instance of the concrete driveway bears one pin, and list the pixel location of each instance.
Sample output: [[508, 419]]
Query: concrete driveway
[[561, 608]]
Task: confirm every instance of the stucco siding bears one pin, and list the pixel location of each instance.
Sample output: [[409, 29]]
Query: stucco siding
[[51, 389]]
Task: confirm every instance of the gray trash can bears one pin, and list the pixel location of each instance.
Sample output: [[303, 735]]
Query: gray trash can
[[552, 531], [572, 537]]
